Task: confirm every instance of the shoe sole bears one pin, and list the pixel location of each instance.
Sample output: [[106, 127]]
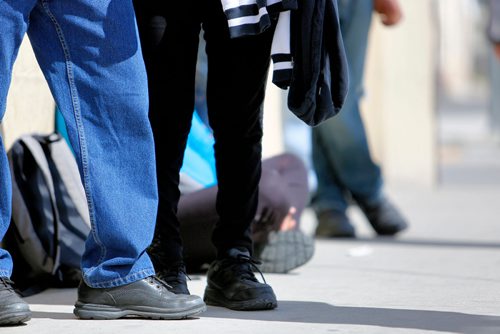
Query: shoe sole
[[15, 318], [215, 298], [286, 251], [105, 312]]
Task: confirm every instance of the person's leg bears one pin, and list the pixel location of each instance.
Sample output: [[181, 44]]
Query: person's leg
[[237, 73], [14, 22], [92, 62], [170, 44], [90, 54], [340, 151]]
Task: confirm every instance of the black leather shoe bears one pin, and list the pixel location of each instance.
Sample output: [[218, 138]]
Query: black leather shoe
[[231, 283], [147, 298], [176, 278], [13, 310], [334, 224], [384, 217]]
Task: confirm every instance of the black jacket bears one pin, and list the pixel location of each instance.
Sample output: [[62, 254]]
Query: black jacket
[[320, 74]]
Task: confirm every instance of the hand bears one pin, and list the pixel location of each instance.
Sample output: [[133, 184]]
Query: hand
[[289, 222], [389, 10]]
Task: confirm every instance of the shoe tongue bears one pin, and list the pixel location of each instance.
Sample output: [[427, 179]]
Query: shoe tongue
[[235, 252]]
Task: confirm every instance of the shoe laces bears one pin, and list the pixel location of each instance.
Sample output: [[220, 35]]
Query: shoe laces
[[174, 273], [245, 265], [6, 283], [155, 280]]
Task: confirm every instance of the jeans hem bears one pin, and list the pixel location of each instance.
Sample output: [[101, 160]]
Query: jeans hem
[[130, 278]]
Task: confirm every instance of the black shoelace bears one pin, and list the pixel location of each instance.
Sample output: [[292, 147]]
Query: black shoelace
[[7, 283], [159, 282], [246, 265], [174, 273]]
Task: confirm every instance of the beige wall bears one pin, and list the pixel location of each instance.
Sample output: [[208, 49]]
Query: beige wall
[[399, 107], [30, 107], [274, 106]]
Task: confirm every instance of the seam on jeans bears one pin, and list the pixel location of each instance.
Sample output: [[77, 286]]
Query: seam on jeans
[[79, 125]]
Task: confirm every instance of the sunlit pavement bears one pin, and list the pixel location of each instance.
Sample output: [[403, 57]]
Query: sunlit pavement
[[441, 276]]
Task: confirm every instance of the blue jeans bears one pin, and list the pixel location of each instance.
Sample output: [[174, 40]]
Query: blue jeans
[[341, 155], [90, 54]]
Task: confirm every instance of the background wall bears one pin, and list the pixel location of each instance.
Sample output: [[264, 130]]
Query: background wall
[[399, 106], [30, 107]]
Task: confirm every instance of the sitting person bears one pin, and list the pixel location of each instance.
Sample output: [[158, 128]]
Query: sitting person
[[283, 193]]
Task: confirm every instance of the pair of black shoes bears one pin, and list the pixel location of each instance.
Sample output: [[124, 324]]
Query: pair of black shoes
[[383, 216], [231, 282]]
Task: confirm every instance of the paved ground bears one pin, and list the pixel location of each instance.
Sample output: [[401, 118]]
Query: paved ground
[[442, 276]]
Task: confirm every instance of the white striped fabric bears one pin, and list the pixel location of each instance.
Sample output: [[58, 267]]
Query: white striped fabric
[[254, 19], [251, 17]]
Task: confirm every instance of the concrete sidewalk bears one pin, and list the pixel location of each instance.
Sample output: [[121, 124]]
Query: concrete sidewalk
[[442, 276]]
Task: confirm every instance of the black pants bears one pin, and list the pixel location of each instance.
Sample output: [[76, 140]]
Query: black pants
[[283, 185], [237, 73]]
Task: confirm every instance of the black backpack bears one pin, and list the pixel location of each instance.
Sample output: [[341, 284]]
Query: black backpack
[[50, 219]]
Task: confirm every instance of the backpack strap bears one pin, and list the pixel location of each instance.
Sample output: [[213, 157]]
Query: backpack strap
[[68, 171], [38, 153]]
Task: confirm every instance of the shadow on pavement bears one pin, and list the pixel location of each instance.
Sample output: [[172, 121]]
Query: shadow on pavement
[[323, 313], [53, 315], [418, 242]]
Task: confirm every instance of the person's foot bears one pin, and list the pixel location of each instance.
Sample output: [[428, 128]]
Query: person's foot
[[384, 217], [334, 224], [176, 278], [284, 251], [13, 310], [146, 298], [231, 283]]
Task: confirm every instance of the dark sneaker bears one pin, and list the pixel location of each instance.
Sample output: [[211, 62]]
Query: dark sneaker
[[231, 283], [13, 310], [334, 224], [173, 273], [176, 278], [384, 217], [284, 251], [147, 298]]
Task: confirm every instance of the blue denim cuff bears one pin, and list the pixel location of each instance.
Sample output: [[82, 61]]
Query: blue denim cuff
[[130, 278]]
